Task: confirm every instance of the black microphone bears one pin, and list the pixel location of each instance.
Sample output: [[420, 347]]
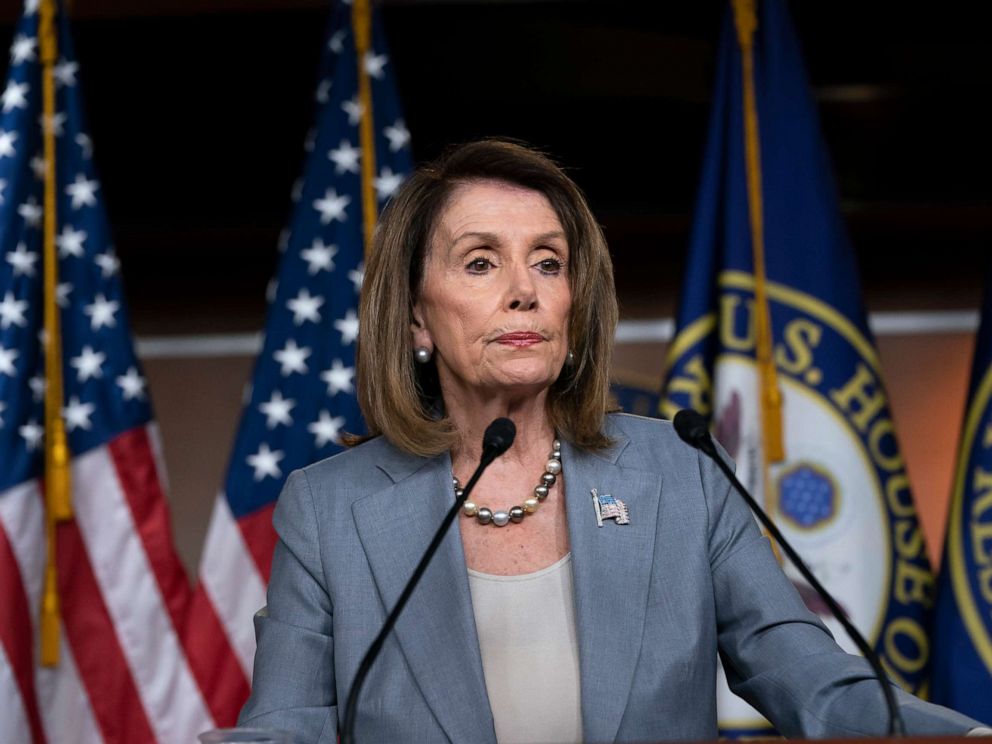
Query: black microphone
[[694, 431], [497, 439]]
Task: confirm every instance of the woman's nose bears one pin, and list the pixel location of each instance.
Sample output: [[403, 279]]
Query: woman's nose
[[522, 294]]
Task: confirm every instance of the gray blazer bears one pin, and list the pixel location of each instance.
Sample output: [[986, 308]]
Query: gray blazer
[[654, 601]]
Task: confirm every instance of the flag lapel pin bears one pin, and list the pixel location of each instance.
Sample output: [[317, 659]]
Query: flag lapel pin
[[607, 507]]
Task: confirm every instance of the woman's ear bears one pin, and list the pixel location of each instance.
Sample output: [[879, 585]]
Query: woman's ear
[[420, 336]]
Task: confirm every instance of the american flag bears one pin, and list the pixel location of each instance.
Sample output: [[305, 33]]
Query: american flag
[[128, 669], [302, 395], [608, 507]]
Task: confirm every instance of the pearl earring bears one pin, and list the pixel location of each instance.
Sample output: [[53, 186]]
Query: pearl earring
[[422, 354], [570, 358]]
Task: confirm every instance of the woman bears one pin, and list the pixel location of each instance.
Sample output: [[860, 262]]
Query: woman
[[489, 293]]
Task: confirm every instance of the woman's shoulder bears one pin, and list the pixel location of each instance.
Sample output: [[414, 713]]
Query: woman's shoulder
[[358, 469], [648, 443], [641, 429], [368, 451]]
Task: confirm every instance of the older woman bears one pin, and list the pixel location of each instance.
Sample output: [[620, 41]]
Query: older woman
[[489, 293]]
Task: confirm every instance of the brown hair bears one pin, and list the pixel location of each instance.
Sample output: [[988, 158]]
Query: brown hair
[[400, 399]]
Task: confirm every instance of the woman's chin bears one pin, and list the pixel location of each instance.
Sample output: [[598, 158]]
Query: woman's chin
[[514, 377], [516, 382]]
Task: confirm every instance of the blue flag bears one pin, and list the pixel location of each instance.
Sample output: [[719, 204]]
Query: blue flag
[[635, 398], [302, 395], [962, 634], [840, 493]]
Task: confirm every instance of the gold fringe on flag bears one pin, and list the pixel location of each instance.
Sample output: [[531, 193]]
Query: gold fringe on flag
[[746, 21], [58, 496], [361, 22]]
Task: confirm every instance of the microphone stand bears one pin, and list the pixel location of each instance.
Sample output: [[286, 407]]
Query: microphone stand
[[702, 441], [348, 728]]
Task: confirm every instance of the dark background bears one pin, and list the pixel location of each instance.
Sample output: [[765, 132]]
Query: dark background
[[198, 110]]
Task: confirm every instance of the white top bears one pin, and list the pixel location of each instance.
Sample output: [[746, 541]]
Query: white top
[[530, 653]]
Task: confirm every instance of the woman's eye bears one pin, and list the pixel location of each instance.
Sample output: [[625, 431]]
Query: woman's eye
[[551, 265], [479, 265]]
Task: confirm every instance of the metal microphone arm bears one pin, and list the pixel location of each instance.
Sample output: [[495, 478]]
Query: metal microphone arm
[[499, 437], [702, 440]]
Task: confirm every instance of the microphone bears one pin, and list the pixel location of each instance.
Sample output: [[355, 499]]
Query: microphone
[[497, 439], [694, 431]]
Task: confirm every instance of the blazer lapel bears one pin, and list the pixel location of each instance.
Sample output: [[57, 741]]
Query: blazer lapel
[[611, 572], [436, 631]]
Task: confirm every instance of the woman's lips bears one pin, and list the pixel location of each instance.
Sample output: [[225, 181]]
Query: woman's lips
[[520, 338]]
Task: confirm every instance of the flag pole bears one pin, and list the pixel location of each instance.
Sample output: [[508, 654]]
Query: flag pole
[[57, 486], [746, 21], [770, 396], [361, 20]]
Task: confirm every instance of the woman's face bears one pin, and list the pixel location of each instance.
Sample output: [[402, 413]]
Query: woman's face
[[494, 300]]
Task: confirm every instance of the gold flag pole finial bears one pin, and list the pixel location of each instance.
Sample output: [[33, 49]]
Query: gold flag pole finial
[[58, 496], [361, 22]]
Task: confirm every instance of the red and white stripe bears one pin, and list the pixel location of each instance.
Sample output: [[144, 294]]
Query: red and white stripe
[[230, 592], [132, 666]]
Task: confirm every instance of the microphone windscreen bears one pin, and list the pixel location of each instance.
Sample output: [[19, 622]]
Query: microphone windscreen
[[499, 436], [691, 427]]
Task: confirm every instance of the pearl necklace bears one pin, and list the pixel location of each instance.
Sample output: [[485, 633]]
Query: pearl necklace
[[500, 518]]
